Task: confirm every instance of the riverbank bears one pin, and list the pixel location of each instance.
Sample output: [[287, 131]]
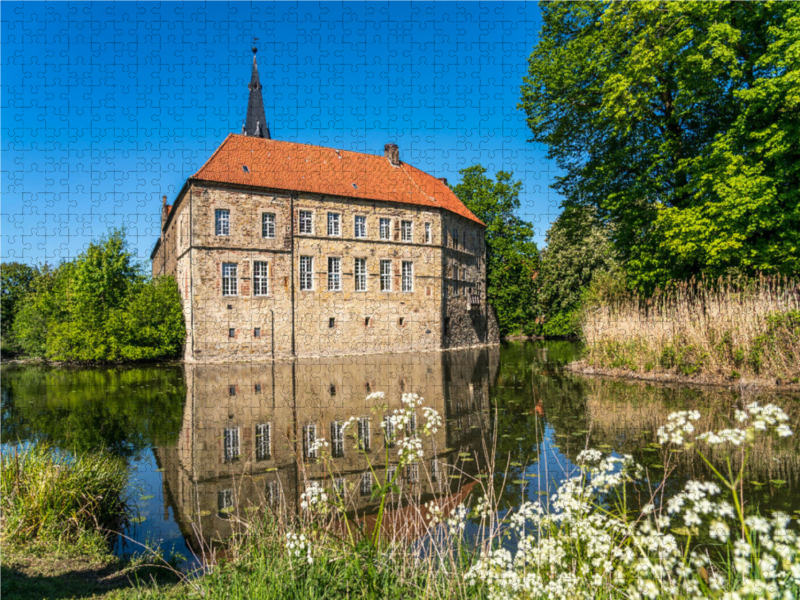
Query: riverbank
[[583, 367]]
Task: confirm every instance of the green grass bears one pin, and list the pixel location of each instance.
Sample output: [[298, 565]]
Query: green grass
[[53, 501]]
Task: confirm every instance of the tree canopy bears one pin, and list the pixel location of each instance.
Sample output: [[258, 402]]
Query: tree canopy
[[100, 307], [511, 254], [679, 122]]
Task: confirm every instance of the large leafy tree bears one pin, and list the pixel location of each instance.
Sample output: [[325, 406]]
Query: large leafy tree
[[680, 123], [15, 283], [511, 254], [101, 308], [578, 251]]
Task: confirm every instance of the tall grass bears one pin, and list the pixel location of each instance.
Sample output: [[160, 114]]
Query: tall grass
[[61, 501], [726, 328]]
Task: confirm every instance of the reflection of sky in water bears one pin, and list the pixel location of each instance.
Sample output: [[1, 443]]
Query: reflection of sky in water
[[158, 528]]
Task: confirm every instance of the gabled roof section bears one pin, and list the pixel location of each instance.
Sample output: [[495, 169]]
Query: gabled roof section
[[258, 162]]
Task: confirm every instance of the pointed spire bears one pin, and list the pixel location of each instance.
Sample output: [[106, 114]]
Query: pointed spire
[[255, 107]]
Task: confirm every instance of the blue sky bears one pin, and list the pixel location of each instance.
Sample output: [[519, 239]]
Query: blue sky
[[105, 107]]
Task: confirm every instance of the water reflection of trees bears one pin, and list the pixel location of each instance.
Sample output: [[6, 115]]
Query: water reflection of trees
[[124, 410]]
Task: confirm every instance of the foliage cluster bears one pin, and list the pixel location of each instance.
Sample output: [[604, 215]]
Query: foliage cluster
[[678, 123], [99, 307], [726, 328], [511, 255], [61, 501]]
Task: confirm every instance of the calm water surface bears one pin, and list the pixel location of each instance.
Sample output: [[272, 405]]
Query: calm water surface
[[204, 442]]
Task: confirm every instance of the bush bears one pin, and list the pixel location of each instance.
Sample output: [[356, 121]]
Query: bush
[[52, 498]]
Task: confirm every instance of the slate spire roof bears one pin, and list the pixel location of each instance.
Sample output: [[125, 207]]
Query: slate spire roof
[[255, 124]]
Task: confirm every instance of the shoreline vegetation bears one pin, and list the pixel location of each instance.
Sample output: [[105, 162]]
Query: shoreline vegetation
[[727, 331], [612, 529]]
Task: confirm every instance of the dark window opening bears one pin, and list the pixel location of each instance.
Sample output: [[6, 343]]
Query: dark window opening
[[332, 322], [257, 388], [366, 321], [332, 390], [245, 169], [231, 390], [446, 325], [231, 332], [367, 388], [257, 332], [401, 321]]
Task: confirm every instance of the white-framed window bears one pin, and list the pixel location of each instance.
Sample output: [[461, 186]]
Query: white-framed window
[[306, 273], [230, 280], [360, 227], [386, 229], [361, 274], [274, 493], [222, 221], [306, 222], [309, 439], [408, 276], [334, 224], [435, 469], [230, 441], [260, 278], [366, 484], [389, 431], [364, 438], [337, 439], [225, 503], [386, 275], [391, 471], [339, 486], [263, 441], [406, 231], [412, 473], [412, 423], [427, 233], [268, 225], [334, 273]]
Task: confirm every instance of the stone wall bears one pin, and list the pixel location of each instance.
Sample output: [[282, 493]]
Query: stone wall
[[324, 322]]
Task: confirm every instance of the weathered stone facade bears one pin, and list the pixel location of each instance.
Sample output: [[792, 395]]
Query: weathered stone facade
[[444, 306]]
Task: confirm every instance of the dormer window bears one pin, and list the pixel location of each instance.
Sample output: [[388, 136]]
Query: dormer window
[[245, 168]]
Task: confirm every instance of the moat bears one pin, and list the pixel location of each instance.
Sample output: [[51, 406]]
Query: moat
[[206, 442]]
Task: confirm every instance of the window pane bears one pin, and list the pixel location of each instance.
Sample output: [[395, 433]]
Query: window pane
[[222, 222], [231, 444], [333, 223], [305, 222], [306, 275], [337, 439], [263, 441], [361, 227], [260, 278], [229, 279], [386, 276], [361, 274], [408, 276], [427, 233], [385, 229], [334, 274], [268, 225], [405, 229]]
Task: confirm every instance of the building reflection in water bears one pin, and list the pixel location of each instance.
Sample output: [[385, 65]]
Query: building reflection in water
[[246, 432]]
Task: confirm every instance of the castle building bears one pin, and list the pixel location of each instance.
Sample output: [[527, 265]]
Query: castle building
[[285, 250]]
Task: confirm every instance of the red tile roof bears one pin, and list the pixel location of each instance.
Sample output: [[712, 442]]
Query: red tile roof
[[304, 168]]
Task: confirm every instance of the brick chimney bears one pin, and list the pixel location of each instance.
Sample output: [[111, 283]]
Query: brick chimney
[[443, 180], [164, 210], [392, 152]]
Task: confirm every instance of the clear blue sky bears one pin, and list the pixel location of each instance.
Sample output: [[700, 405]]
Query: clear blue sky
[[105, 107]]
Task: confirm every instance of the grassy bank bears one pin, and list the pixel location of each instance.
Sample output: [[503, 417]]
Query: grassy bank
[[724, 330]]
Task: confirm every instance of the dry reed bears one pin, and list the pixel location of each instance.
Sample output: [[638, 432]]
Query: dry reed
[[729, 328]]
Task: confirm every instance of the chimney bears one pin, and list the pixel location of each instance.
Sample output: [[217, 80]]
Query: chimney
[[443, 180], [164, 210], [392, 152]]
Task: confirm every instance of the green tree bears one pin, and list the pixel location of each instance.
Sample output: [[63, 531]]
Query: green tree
[[15, 283], [511, 254], [578, 251], [101, 308], [679, 123]]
